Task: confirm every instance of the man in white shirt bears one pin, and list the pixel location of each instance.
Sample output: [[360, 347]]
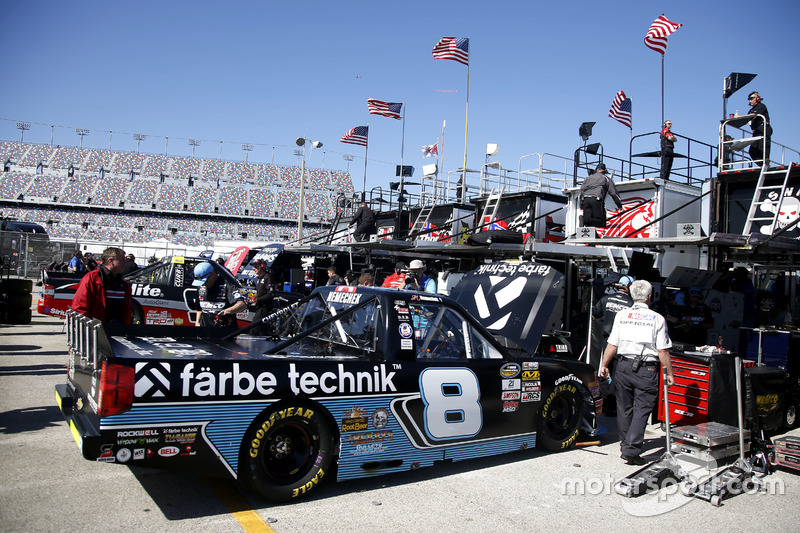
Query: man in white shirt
[[641, 343]]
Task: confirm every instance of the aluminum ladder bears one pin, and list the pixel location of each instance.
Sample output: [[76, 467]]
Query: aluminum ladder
[[757, 202], [490, 209], [421, 222]]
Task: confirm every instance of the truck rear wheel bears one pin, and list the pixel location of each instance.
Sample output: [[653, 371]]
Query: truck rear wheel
[[561, 416], [137, 314], [287, 452]]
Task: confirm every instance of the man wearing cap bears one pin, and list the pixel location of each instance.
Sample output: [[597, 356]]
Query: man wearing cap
[[265, 295], [219, 300], [607, 308], [398, 279], [696, 319], [364, 218], [418, 280], [130, 265], [640, 341], [592, 197]]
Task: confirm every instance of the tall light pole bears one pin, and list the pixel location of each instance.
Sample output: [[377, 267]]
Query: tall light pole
[[247, 149], [82, 132], [301, 141], [23, 127], [139, 138], [348, 158], [194, 143]]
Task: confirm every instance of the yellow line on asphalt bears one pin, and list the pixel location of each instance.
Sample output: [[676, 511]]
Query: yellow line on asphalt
[[249, 519]]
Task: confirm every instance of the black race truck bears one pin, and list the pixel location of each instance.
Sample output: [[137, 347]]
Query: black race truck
[[361, 381]]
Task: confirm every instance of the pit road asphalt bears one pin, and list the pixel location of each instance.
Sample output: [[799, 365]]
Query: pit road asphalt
[[45, 484]]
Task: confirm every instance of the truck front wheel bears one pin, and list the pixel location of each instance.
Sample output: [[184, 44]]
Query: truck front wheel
[[287, 452], [561, 417]]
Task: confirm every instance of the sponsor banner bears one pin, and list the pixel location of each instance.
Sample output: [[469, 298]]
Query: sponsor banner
[[158, 379]]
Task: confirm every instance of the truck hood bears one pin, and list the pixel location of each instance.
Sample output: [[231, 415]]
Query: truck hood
[[511, 300]]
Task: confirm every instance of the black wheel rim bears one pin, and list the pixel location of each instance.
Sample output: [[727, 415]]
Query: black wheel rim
[[559, 417], [289, 452]]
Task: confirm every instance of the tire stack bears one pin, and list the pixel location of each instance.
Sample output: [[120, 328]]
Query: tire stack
[[15, 301]]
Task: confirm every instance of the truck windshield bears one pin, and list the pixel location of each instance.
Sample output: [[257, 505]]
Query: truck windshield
[[351, 335], [441, 333]]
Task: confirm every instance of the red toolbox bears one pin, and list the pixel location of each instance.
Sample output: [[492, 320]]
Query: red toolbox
[[704, 390]]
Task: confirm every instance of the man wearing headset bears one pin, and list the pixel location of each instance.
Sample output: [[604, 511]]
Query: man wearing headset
[[759, 151], [667, 149]]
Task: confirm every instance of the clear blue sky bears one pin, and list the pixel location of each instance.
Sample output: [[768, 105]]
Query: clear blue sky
[[265, 73]]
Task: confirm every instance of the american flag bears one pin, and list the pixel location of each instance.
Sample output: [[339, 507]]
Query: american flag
[[357, 135], [387, 109], [430, 150], [658, 35], [621, 109], [453, 48]]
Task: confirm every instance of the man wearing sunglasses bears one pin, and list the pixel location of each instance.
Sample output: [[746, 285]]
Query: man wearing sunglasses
[[667, 149], [759, 151]]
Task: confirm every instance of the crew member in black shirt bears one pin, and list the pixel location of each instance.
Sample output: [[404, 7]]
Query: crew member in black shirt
[[365, 223], [219, 299], [593, 197], [759, 151], [265, 296], [607, 308]]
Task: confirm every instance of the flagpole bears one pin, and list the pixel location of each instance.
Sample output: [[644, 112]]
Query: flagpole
[[466, 128], [402, 149], [364, 189], [630, 144], [662, 90], [440, 162]]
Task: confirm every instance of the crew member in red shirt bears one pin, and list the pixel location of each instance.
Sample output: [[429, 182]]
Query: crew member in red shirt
[[102, 293], [398, 279], [667, 149]]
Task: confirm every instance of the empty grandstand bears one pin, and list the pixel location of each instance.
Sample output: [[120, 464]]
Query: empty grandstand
[[85, 194]]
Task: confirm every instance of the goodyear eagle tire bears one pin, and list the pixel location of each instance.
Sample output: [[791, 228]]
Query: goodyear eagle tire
[[561, 416], [17, 286], [287, 452]]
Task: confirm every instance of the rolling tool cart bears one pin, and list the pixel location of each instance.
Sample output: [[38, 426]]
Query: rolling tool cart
[[708, 442], [733, 479], [657, 472]]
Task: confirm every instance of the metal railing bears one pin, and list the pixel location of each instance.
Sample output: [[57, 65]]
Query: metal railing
[[699, 156], [736, 161]]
